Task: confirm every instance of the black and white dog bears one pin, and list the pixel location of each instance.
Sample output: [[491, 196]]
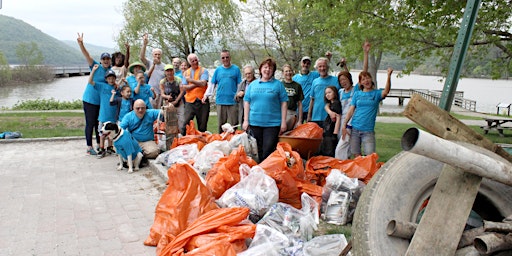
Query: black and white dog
[[127, 147]]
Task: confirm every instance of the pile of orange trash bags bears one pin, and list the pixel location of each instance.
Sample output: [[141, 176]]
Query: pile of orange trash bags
[[189, 222]]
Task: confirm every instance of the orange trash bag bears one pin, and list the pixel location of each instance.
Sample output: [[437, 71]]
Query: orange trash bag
[[185, 199], [235, 235], [307, 130], [225, 174], [200, 140], [285, 166], [362, 167], [205, 224]]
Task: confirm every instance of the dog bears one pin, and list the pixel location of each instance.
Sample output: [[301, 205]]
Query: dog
[[127, 147]]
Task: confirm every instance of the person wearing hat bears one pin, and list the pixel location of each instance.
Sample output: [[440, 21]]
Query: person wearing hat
[[305, 78], [156, 69], [91, 97], [108, 112], [173, 92], [134, 68]]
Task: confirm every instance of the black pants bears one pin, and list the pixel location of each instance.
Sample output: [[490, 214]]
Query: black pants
[[267, 138], [92, 113], [200, 111]]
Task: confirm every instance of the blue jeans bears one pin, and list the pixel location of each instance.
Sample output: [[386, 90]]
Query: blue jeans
[[361, 138]]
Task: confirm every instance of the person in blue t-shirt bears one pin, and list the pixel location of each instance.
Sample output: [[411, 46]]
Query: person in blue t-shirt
[[139, 123], [363, 112], [265, 105], [317, 111], [143, 91], [134, 68], [91, 97], [124, 104], [107, 112], [226, 79]]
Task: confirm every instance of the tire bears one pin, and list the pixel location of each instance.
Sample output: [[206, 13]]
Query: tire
[[398, 190]]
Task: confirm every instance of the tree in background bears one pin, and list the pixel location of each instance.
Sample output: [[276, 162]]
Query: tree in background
[[416, 30], [29, 54], [179, 27], [5, 70]]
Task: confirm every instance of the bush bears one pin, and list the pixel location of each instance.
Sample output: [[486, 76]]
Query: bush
[[29, 74], [47, 104]]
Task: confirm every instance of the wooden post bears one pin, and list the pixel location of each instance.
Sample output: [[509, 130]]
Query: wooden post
[[440, 229], [171, 125]]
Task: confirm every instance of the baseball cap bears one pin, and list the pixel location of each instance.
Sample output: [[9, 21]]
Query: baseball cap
[[110, 72], [305, 58], [105, 55], [168, 66]]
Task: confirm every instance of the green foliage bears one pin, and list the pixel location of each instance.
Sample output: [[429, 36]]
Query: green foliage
[[47, 104], [31, 74], [5, 70], [178, 27], [29, 54], [43, 124]]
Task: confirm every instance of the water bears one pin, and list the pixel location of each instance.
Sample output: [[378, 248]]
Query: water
[[486, 93]]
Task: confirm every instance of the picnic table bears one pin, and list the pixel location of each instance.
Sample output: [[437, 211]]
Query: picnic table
[[496, 124]]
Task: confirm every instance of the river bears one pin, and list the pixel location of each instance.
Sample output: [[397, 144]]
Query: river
[[487, 93]]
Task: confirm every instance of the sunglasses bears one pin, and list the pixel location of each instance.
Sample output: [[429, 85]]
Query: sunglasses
[[225, 57]]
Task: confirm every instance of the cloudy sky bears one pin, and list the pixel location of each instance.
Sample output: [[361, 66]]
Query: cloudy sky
[[99, 20]]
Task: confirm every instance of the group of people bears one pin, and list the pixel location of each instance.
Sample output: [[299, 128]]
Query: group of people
[[133, 95]]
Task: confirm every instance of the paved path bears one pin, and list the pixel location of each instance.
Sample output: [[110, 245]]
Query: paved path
[[56, 200]]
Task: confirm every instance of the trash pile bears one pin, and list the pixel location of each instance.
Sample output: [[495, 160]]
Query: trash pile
[[219, 201]]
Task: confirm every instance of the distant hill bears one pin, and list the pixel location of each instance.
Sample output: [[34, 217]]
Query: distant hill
[[14, 31]]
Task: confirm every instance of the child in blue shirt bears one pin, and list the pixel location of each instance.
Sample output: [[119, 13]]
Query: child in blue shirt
[[143, 91], [124, 104]]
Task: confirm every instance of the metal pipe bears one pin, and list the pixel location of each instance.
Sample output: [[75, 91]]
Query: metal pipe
[[493, 242], [491, 226], [425, 144]]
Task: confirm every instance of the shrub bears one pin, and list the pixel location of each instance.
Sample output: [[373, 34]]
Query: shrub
[[47, 104]]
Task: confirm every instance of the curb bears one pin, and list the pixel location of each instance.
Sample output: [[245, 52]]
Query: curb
[[159, 169], [28, 140]]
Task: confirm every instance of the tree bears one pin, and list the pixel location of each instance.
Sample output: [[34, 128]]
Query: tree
[[5, 70], [29, 54], [179, 27], [416, 29]]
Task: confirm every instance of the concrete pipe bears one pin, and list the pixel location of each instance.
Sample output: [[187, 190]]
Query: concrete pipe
[[477, 160]]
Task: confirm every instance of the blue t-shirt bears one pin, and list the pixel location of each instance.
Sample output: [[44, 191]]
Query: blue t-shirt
[[365, 113], [265, 100], [132, 81], [227, 80], [126, 144], [123, 106], [179, 74], [144, 94], [318, 92], [141, 129], [91, 95], [306, 82], [346, 98], [107, 111]]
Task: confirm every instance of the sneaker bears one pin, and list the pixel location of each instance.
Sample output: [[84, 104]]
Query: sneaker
[[110, 150], [91, 152], [102, 153]]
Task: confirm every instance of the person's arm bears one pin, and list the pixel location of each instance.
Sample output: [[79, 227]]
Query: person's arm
[[153, 92], [337, 124], [137, 88], [310, 112], [245, 124], [180, 96], [284, 109], [209, 92], [150, 72], [331, 113], [366, 50], [112, 97], [347, 119], [328, 55], [388, 83], [142, 54], [86, 54], [162, 91], [299, 109], [91, 76], [127, 55]]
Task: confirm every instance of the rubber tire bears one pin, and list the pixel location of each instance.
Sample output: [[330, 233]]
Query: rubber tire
[[397, 191]]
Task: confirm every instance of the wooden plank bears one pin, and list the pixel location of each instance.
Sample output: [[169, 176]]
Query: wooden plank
[[441, 123], [171, 125], [440, 230]]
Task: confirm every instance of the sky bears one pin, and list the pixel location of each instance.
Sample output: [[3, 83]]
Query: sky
[[99, 20]]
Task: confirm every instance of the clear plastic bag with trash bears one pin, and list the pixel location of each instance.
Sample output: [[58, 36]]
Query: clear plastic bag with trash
[[326, 245], [209, 155], [256, 191], [339, 197], [183, 152], [249, 143]]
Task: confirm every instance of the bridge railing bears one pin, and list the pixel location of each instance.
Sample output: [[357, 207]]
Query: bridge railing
[[71, 70]]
